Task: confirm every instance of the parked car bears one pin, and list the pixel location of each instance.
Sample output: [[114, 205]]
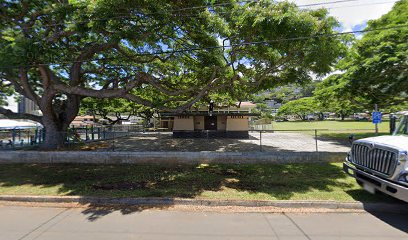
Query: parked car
[[361, 117], [381, 163]]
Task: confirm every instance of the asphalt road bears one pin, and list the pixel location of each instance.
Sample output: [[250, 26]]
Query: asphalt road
[[77, 224]]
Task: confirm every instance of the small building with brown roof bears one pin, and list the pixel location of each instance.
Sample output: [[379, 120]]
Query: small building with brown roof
[[213, 122]]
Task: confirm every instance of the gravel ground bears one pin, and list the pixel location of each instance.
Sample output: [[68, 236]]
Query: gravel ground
[[279, 141]]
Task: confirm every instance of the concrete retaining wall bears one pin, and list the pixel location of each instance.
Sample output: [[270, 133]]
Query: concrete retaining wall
[[166, 157]]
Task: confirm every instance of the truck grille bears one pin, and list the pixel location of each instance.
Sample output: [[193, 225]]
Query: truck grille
[[376, 159]]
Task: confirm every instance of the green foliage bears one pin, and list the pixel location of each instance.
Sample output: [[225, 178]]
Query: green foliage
[[332, 95], [114, 110], [153, 27], [376, 69], [264, 110], [164, 55], [286, 93], [5, 91], [300, 107]]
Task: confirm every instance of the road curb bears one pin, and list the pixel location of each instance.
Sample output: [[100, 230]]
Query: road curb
[[376, 207], [92, 157]]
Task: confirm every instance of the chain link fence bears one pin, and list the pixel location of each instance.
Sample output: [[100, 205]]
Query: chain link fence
[[29, 138], [136, 138], [18, 138]]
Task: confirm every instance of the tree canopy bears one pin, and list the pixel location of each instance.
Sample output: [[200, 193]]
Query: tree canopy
[[167, 55], [300, 108], [376, 68], [115, 110], [331, 95]]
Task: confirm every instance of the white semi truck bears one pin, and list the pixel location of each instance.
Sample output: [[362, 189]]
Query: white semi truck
[[381, 163]]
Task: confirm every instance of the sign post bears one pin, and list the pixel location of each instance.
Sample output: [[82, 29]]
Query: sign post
[[377, 118]]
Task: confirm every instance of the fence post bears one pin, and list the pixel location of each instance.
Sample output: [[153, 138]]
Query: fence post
[[92, 133], [43, 134], [113, 143], [13, 136], [36, 135], [317, 148], [260, 141], [393, 120]]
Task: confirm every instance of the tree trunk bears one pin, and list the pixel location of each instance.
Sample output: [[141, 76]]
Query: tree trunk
[[55, 135], [342, 115], [56, 121]]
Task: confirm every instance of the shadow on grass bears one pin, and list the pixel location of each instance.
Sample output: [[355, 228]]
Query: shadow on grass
[[223, 181]]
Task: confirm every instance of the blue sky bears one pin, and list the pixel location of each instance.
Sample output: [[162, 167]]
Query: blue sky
[[353, 15]]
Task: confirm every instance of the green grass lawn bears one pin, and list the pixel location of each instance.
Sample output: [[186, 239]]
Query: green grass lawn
[[216, 181], [335, 129], [330, 125]]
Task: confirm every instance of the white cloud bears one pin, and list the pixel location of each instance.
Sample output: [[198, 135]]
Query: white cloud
[[353, 13]]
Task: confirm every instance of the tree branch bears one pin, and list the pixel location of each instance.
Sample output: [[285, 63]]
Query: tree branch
[[12, 115], [87, 52], [58, 35], [104, 93], [28, 90]]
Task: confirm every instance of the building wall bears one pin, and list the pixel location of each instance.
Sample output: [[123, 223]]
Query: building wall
[[27, 106], [199, 123], [183, 123], [167, 122], [237, 123], [222, 123]]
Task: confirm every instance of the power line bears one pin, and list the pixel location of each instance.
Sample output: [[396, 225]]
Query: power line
[[219, 47], [326, 3], [329, 8], [361, 5], [189, 8]]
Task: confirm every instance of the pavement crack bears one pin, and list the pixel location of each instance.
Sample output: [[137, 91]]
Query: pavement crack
[[297, 226], [52, 225], [43, 224], [272, 228]]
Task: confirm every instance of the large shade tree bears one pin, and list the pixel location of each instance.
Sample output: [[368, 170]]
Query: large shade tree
[[166, 55], [300, 108], [376, 69], [332, 95]]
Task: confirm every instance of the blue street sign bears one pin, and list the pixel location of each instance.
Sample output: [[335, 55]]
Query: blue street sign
[[377, 117]]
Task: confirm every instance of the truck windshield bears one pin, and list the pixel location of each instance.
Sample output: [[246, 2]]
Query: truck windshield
[[402, 128]]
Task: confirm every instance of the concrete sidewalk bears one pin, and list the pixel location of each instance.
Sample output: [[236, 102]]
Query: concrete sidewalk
[[65, 223]]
